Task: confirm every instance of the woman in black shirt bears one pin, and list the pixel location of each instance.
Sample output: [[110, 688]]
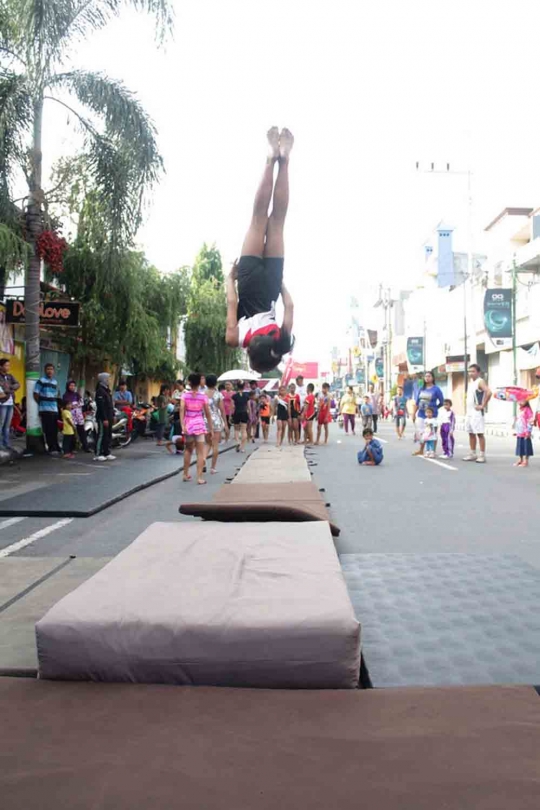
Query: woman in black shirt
[[240, 417]]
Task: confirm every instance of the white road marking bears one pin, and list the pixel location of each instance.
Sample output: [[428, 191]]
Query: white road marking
[[10, 522], [26, 541], [440, 463], [64, 474]]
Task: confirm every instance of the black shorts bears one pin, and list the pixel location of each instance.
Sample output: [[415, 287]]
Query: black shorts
[[295, 414], [240, 418], [265, 419], [259, 284]]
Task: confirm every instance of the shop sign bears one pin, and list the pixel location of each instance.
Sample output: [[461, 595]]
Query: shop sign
[[51, 313], [415, 351], [456, 367], [498, 316]]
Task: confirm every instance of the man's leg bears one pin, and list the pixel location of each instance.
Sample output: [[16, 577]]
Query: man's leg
[[482, 443], [50, 429], [375, 418], [472, 442], [106, 440], [6, 414], [255, 237]]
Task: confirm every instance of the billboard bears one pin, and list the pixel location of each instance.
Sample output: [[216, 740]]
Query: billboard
[[415, 351], [498, 316], [379, 367]]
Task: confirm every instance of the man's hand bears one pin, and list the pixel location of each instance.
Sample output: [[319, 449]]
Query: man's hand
[[234, 270], [106, 423], [478, 407]]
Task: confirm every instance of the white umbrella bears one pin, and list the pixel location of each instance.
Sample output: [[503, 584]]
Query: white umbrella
[[238, 374]]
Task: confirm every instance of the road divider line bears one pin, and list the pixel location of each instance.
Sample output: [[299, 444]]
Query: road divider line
[[26, 541], [10, 522], [440, 463]]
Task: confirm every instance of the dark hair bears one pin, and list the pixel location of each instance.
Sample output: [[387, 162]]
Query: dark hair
[[180, 382], [194, 379], [221, 387], [367, 432], [449, 401], [326, 385], [299, 377], [265, 351], [432, 377], [476, 367], [122, 382], [211, 380], [253, 381], [4, 360], [164, 387], [429, 408], [48, 365], [310, 387], [350, 388], [240, 385]]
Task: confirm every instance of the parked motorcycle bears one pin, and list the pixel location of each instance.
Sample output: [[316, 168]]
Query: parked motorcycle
[[121, 435]]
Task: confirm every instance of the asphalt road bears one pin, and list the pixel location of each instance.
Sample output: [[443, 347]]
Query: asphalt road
[[405, 505]]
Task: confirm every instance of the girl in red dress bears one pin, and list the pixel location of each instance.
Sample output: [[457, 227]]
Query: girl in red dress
[[324, 416], [308, 414]]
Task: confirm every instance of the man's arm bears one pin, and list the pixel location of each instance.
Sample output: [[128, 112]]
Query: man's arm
[[288, 315], [14, 384], [483, 386], [37, 389], [231, 334]]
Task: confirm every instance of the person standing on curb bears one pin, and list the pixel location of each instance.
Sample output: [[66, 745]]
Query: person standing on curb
[[105, 417], [8, 386], [374, 402], [47, 396], [478, 396]]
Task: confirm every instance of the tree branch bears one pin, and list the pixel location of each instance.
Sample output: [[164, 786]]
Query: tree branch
[[13, 54], [83, 120]]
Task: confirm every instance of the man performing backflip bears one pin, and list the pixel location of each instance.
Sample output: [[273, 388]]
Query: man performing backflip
[[251, 315]]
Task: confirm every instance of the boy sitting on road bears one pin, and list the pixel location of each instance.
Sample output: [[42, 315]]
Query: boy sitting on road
[[372, 454]]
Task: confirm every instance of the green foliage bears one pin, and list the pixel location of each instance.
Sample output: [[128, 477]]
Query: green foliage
[[129, 311], [14, 251], [206, 350], [119, 139]]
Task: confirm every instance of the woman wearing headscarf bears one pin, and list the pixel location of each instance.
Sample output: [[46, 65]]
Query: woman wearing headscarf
[[77, 403]]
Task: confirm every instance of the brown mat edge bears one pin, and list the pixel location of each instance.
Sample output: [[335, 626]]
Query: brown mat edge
[[255, 512]]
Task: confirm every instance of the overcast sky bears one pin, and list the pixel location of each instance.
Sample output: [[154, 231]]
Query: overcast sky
[[368, 88]]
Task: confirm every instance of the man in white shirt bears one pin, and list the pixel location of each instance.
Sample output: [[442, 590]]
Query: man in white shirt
[[478, 396]]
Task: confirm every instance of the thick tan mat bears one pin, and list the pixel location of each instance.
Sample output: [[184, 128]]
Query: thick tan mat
[[129, 747], [263, 502]]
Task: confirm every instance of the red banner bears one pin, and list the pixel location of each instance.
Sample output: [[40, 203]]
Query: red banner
[[310, 371]]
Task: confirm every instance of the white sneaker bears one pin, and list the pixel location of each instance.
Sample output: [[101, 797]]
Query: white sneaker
[[470, 457], [110, 457], [481, 459], [443, 455], [100, 458]]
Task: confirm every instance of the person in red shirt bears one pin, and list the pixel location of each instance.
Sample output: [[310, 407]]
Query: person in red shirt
[[308, 414], [258, 275]]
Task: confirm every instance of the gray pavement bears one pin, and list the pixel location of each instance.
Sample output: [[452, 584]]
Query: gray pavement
[[413, 505]]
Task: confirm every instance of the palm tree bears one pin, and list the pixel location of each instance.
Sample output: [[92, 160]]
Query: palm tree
[[37, 38]]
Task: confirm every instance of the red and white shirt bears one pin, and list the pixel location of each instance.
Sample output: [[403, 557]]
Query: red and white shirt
[[263, 323]]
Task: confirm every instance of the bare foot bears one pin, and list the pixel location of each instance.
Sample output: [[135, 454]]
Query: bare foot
[[201, 481], [273, 143], [186, 478], [213, 472], [286, 142]]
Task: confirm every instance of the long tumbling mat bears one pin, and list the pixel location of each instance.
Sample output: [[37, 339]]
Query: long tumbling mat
[[133, 747]]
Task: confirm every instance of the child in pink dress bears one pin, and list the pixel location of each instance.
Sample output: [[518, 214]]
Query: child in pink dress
[[193, 410], [524, 423]]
